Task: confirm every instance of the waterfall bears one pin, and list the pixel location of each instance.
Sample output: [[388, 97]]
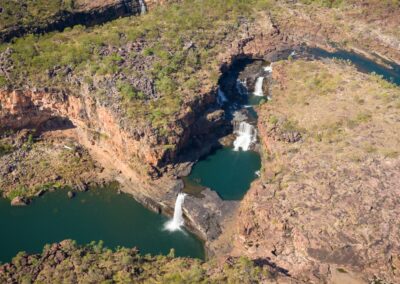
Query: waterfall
[[177, 221], [268, 68], [241, 87], [143, 9], [221, 98], [258, 90], [246, 136]]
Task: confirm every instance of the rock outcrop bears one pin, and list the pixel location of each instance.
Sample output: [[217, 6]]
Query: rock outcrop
[[326, 206]]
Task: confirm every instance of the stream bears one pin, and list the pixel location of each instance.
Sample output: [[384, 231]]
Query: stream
[[231, 172]]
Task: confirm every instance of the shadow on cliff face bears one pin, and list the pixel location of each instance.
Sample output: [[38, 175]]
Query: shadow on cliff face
[[56, 123], [88, 18], [217, 120], [261, 262]]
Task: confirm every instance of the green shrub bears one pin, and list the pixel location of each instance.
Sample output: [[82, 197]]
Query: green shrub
[[128, 92], [19, 191], [324, 3], [5, 149]]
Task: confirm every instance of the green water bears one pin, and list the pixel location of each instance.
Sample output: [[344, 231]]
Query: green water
[[228, 172], [99, 214], [363, 64]]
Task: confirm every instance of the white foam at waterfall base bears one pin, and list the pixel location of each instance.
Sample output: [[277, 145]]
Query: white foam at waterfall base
[[246, 136], [258, 90], [177, 221], [221, 98], [268, 68]]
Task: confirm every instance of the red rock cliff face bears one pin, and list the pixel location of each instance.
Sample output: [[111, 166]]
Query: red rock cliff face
[[97, 124]]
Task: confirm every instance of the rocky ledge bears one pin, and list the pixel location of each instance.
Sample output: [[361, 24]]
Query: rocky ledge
[[326, 207]]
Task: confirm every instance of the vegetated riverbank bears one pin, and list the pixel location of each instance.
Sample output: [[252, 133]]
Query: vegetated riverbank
[[94, 263], [98, 214], [146, 101]]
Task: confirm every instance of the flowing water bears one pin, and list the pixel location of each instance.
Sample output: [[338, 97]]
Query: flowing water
[[259, 87], [389, 71], [221, 98], [119, 220], [177, 221], [246, 136], [99, 214], [229, 171], [143, 9]]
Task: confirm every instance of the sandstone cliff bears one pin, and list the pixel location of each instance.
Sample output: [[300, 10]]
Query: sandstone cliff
[[141, 93], [326, 203]]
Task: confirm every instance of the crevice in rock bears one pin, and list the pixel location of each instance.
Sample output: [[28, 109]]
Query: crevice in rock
[[88, 18]]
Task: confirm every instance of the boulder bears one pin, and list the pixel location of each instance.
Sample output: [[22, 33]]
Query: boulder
[[71, 194], [19, 201]]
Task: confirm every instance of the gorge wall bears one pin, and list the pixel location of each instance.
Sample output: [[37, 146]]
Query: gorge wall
[[142, 164], [147, 164], [83, 12]]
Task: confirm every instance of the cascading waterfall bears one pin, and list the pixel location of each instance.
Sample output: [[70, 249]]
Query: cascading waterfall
[[177, 221], [246, 136], [143, 9], [258, 90], [221, 98]]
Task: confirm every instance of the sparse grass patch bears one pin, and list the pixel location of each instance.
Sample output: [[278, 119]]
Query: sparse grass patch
[[330, 133], [19, 191], [361, 117], [324, 3], [369, 148], [273, 119], [290, 125], [5, 148], [390, 153]]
